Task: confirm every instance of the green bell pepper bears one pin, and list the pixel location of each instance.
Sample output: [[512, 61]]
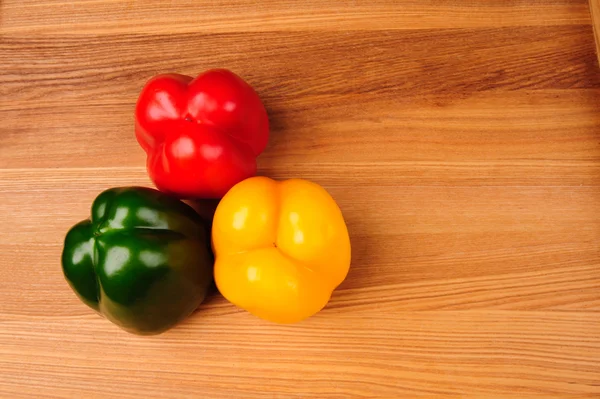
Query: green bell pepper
[[143, 259]]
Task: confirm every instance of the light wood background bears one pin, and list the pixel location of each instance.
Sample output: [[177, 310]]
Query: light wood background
[[460, 138]]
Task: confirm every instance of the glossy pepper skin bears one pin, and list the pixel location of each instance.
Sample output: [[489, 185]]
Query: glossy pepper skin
[[203, 135], [143, 259], [281, 248]]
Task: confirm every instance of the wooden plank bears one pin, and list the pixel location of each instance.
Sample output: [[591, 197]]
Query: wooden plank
[[455, 247], [398, 66], [115, 16], [555, 127], [492, 353], [595, 12]]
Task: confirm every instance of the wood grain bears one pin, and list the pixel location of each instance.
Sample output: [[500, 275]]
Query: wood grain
[[595, 12], [101, 16], [460, 139]]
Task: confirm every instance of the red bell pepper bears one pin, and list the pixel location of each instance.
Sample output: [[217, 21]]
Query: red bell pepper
[[202, 135]]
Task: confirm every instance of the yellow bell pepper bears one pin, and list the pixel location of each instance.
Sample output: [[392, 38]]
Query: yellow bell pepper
[[281, 248]]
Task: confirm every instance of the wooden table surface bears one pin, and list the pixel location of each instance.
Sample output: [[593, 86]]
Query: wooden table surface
[[461, 140]]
